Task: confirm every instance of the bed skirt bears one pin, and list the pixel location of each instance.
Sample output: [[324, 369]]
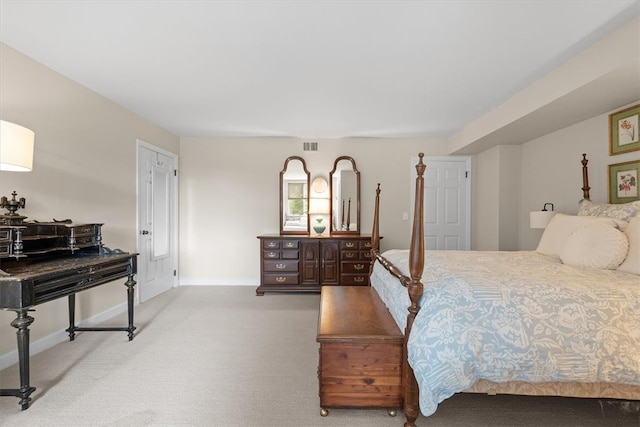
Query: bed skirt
[[565, 389]]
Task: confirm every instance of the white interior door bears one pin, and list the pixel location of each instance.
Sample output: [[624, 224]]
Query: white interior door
[[157, 242], [447, 219]]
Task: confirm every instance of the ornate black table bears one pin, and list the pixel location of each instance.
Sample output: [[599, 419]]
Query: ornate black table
[[40, 262]]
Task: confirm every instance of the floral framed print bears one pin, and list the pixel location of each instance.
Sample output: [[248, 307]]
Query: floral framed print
[[623, 130], [623, 182]]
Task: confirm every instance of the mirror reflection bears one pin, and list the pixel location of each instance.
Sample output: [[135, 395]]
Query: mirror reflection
[[294, 197], [345, 196]]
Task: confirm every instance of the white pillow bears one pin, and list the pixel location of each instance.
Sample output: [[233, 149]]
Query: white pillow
[[621, 211], [560, 227], [595, 246], [632, 263]]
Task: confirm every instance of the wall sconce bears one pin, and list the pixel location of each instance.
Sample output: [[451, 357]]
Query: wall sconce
[[319, 207], [16, 147], [540, 219]]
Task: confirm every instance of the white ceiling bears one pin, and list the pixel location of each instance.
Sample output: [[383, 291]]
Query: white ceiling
[[308, 69]]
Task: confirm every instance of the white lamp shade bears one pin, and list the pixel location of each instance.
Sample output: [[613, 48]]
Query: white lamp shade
[[540, 219], [319, 206], [16, 147]]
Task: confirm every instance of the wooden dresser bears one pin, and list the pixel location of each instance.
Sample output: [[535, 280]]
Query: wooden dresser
[[306, 263], [360, 351]]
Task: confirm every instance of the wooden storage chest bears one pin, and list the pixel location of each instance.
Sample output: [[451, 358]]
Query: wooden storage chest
[[360, 350]]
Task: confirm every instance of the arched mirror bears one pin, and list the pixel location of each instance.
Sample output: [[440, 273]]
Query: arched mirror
[[344, 180], [294, 197]]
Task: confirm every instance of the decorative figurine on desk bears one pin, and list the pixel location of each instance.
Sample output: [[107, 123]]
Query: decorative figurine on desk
[[12, 218]]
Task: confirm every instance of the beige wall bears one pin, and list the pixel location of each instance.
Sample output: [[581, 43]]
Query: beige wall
[[496, 199], [84, 169], [229, 195], [551, 170], [511, 181]]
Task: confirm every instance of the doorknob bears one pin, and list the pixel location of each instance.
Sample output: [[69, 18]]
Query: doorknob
[[144, 232]]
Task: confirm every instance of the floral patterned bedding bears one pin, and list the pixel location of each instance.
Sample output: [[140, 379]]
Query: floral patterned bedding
[[514, 316]]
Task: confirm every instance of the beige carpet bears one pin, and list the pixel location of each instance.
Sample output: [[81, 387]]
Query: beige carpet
[[221, 356]]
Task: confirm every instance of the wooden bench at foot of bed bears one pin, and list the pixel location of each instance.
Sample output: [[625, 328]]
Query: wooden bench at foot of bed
[[360, 351]]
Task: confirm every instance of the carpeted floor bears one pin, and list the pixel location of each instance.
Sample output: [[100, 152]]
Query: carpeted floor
[[221, 356]]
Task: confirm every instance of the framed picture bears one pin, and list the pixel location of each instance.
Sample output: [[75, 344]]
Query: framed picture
[[623, 182], [623, 130]]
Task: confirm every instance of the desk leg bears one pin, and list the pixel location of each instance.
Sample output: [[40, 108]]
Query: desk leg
[[130, 284], [22, 323], [72, 317], [130, 296]]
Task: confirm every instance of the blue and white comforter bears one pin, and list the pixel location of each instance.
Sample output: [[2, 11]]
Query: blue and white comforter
[[514, 316]]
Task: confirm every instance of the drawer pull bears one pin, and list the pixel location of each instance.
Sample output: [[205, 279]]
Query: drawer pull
[[272, 244], [289, 245], [358, 267], [281, 279], [350, 245], [281, 266], [272, 254], [358, 279], [349, 255]]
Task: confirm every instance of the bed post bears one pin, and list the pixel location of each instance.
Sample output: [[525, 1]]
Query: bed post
[[375, 233], [416, 266], [585, 177]]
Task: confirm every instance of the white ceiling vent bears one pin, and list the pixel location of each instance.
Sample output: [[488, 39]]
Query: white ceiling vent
[[310, 146]]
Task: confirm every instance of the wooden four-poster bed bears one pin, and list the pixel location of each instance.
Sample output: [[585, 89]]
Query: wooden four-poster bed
[[606, 358]]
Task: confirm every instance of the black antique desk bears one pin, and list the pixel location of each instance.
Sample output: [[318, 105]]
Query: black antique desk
[[40, 262]]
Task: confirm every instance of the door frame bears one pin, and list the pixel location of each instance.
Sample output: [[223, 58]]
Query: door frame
[[175, 210], [432, 159]]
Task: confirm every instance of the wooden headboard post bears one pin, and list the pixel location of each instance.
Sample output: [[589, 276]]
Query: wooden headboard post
[[375, 233], [416, 266], [585, 177]]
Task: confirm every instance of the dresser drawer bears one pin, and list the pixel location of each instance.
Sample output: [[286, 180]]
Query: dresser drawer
[[281, 265], [366, 245], [354, 279], [349, 245], [350, 255], [281, 279], [290, 244], [285, 254], [271, 244], [356, 256], [355, 267], [271, 254]]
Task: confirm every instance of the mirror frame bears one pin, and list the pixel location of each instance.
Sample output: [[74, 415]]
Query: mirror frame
[[282, 172], [331, 193]]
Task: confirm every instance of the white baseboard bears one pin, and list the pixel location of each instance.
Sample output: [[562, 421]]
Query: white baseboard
[[218, 282], [44, 343]]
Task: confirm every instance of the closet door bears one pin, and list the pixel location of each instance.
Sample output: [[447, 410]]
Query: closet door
[[157, 183], [447, 207]]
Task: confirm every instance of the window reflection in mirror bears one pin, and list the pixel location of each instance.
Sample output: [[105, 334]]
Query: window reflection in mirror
[[294, 197], [345, 196]]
